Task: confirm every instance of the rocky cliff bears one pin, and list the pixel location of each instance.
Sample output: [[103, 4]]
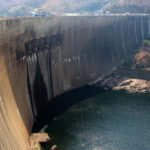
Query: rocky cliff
[[132, 6], [24, 7]]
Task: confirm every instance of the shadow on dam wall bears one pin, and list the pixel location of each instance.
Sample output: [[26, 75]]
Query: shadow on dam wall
[[62, 103], [39, 91], [42, 58]]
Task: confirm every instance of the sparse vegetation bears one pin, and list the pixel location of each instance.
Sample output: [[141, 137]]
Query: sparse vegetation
[[24, 7], [74, 6], [145, 43], [128, 63], [140, 60]]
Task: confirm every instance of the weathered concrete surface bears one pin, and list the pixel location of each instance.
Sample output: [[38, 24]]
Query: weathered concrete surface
[[13, 134], [45, 57]]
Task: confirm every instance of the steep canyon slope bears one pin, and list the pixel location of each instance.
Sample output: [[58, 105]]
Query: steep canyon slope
[[132, 6], [11, 6], [24, 7]]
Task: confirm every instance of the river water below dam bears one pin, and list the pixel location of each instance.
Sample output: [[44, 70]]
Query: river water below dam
[[106, 121]]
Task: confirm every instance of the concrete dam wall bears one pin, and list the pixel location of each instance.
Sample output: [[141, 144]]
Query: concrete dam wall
[[41, 58]]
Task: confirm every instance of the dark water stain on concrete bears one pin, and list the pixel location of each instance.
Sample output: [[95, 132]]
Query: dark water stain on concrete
[[43, 44], [39, 90]]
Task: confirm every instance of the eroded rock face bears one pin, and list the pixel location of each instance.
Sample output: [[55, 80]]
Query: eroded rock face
[[38, 139], [54, 147], [134, 86], [117, 83]]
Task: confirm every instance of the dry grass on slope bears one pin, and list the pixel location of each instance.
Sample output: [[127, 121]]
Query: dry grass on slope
[[141, 60]]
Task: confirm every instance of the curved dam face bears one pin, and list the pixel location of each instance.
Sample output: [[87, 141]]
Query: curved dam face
[[41, 58]]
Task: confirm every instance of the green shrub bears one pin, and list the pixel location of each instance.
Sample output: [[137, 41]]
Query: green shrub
[[145, 43]]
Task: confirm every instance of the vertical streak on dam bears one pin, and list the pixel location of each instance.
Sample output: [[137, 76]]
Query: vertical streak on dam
[[41, 58]]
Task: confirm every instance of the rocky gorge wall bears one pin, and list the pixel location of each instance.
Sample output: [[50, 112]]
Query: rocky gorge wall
[[133, 73], [41, 58]]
